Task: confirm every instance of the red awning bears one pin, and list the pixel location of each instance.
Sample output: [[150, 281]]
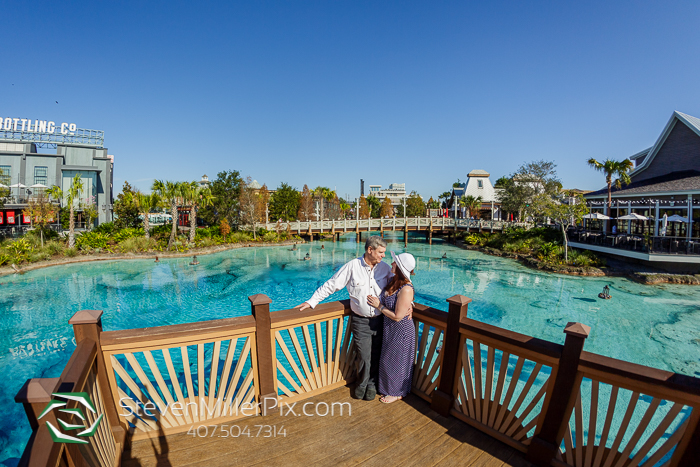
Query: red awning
[[2, 217], [10, 217]]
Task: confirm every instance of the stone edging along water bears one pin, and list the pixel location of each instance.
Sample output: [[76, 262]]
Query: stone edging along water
[[6, 270], [642, 278]]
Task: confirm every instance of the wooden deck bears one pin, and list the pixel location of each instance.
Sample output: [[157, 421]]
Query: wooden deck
[[407, 432]]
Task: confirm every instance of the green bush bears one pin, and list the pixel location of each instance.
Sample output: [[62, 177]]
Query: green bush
[[19, 250], [270, 237], [127, 233], [137, 244], [239, 237], [91, 240], [54, 248], [70, 252], [106, 228], [4, 259]]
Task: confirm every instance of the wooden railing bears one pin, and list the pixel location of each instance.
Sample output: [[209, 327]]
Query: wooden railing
[[555, 403], [399, 223]]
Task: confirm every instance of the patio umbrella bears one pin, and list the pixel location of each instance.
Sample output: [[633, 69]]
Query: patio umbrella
[[3, 186], [633, 217], [664, 224], [596, 215], [18, 185], [676, 218], [38, 185]]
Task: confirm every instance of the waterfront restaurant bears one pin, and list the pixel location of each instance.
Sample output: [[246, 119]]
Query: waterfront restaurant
[[664, 190]]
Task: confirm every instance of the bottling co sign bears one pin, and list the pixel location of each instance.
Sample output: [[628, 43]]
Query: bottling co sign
[[37, 126]]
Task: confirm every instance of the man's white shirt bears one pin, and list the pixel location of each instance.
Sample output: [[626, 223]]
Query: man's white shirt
[[360, 280]]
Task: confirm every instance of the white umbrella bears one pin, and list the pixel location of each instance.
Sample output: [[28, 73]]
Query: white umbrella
[[633, 217], [596, 215], [38, 185], [3, 186], [677, 218], [18, 185], [664, 224]]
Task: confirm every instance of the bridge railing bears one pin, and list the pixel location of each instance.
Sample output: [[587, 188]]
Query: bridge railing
[[555, 403]]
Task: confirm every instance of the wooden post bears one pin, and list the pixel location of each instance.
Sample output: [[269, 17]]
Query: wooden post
[[443, 396], [687, 451], [544, 445], [34, 395], [260, 309], [87, 324]]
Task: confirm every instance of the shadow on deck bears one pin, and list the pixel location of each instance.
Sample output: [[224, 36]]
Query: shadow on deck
[[406, 432]]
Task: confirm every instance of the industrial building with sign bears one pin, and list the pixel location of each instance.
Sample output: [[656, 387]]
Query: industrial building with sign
[[29, 166]]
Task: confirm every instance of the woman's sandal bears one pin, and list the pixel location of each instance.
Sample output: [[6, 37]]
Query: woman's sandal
[[384, 400]]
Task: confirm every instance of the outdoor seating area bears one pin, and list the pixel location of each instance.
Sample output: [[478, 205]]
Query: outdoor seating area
[[640, 243]]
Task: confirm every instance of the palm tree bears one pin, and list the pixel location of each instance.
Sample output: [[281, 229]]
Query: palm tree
[[146, 203], [471, 203], [613, 168], [171, 193], [196, 197], [76, 188]]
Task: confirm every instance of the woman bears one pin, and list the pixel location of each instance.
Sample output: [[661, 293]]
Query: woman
[[399, 339]]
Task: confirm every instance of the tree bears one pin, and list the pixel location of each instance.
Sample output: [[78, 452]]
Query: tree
[[195, 197], [444, 197], [76, 188], [248, 204], [415, 206], [432, 204], [42, 212], [225, 191], [530, 180], [387, 209], [612, 169], [473, 204], [322, 196], [364, 208], [224, 228], [126, 212], [145, 204], [89, 212], [4, 191], [172, 194], [284, 203], [306, 205], [344, 207], [566, 212], [263, 202], [457, 184], [375, 206], [502, 182]]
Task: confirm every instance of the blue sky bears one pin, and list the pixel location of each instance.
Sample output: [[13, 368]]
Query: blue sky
[[328, 92]]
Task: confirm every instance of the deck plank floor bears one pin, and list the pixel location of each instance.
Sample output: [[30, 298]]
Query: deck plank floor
[[406, 433]]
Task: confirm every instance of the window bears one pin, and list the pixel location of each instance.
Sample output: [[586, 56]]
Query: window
[[480, 183], [41, 175], [5, 174]]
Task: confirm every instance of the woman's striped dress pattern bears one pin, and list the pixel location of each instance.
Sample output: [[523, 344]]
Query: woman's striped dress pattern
[[398, 351]]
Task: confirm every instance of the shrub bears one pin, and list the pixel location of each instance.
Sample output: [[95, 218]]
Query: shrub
[[239, 237], [4, 259], [91, 240], [270, 237], [127, 233], [19, 250], [54, 248], [224, 228], [70, 252], [106, 228], [137, 244]]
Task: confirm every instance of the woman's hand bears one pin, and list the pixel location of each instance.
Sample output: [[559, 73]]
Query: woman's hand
[[373, 301]]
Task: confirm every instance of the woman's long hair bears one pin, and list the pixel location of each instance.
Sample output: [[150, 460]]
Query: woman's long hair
[[398, 281]]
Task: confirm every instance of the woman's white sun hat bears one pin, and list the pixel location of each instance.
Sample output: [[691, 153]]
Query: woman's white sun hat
[[406, 263]]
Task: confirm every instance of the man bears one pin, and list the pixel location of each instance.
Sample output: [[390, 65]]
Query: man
[[363, 276]]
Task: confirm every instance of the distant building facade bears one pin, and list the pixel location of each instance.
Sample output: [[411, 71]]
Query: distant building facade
[[396, 193], [478, 184], [28, 170]]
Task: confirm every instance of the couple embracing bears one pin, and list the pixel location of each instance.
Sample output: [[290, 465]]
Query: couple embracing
[[381, 299]]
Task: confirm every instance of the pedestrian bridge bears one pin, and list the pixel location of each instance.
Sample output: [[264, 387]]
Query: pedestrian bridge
[[404, 224]]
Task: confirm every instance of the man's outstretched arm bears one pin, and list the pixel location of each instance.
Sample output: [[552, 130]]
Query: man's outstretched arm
[[339, 280]]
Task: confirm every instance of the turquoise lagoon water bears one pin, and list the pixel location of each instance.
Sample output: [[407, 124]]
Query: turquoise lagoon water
[[657, 326]]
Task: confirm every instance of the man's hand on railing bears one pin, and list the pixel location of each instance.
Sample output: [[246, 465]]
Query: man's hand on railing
[[303, 306]]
